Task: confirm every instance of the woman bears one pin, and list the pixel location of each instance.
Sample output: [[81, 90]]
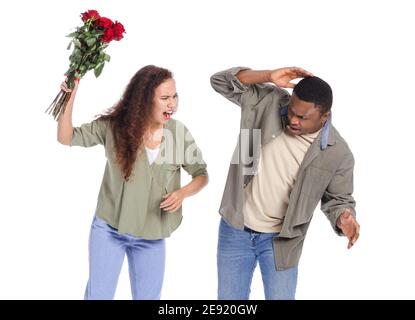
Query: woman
[[139, 203]]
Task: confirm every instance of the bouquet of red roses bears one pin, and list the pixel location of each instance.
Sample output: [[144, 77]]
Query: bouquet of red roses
[[89, 42]]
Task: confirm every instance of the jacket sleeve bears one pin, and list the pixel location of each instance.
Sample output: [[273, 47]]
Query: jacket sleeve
[[90, 134], [338, 195], [228, 85]]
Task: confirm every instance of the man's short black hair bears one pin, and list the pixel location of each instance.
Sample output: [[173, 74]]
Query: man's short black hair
[[315, 90]]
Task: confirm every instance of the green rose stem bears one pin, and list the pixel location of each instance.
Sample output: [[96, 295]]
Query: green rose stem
[[58, 105]]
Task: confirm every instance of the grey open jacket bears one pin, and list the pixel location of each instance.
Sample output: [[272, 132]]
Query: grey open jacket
[[325, 174]]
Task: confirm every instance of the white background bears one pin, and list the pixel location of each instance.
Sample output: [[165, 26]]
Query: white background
[[364, 49]]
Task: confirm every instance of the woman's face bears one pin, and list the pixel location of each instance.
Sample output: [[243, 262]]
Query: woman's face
[[164, 102]]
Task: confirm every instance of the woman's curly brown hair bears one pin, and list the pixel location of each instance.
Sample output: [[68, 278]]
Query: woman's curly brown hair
[[130, 117]]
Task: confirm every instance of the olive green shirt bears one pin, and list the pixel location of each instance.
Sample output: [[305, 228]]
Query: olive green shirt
[[133, 206]]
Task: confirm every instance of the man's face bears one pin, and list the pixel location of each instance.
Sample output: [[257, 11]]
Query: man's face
[[304, 117]]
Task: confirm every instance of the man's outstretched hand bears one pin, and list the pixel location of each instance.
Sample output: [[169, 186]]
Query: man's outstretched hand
[[349, 226]]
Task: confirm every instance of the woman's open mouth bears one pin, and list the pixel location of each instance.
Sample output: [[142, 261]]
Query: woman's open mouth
[[167, 115]]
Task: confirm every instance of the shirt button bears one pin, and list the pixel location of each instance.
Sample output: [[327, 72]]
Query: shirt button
[[273, 136]]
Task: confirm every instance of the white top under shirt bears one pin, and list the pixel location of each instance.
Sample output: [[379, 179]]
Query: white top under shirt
[[266, 197], [152, 154]]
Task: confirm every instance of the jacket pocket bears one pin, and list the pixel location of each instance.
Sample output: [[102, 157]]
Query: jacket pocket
[[171, 177], [171, 167], [315, 182]]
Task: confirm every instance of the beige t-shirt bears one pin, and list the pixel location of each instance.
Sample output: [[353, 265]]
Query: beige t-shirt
[[266, 197]]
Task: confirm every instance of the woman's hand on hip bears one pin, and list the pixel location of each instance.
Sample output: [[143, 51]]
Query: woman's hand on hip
[[172, 201]]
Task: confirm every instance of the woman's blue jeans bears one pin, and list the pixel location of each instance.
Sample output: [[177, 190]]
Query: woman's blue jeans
[[107, 248]]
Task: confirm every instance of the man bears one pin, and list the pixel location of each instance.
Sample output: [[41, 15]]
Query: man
[[288, 158]]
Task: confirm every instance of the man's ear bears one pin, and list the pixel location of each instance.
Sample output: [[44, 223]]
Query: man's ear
[[325, 116]]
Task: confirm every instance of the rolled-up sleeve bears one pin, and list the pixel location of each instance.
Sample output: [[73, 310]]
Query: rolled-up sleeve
[[338, 195], [193, 160], [228, 85], [90, 134]]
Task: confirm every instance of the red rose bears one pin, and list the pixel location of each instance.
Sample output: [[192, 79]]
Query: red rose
[[118, 29], [104, 23], [108, 35], [90, 14]]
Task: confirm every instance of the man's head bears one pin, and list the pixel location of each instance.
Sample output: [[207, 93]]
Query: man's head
[[309, 106]]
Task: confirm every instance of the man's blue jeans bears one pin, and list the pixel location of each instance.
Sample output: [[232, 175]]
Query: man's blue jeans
[[107, 248], [238, 254]]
